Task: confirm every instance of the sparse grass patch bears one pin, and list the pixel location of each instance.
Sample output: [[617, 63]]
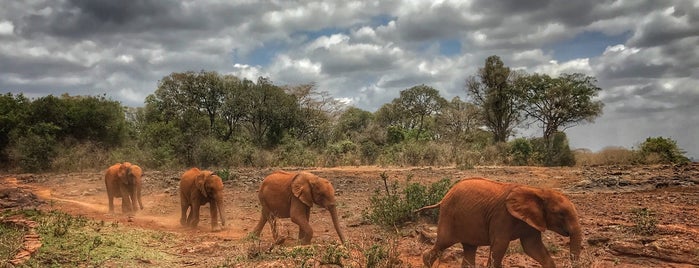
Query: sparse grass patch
[[11, 239], [644, 221], [75, 241]]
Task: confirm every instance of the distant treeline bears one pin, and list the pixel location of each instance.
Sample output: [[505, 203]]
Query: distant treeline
[[207, 119]]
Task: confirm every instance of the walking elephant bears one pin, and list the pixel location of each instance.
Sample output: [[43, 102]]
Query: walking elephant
[[479, 212], [124, 180], [291, 195], [198, 187]]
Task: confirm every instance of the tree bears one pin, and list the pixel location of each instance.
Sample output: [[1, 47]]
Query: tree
[[316, 111], [233, 103], [560, 103], [420, 103], [458, 121], [269, 112], [13, 111], [351, 123], [492, 90]]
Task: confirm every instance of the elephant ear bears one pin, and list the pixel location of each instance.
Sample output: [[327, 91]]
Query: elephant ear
[[525, 204], [200, 182], [301, 187]]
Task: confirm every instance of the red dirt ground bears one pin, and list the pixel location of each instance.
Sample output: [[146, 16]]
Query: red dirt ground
[[605, 197]]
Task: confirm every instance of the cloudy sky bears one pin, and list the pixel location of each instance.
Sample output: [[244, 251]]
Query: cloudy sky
[[644, 53]]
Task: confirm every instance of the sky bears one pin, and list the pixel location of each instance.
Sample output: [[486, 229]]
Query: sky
[[644, 53]]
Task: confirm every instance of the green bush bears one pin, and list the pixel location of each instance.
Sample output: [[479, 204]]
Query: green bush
[[35, 149], [292, 152], [212, 152], [662, 150], [520, 150], [393, 207]]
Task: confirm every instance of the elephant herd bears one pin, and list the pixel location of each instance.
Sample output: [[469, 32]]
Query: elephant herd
[[474, 212]]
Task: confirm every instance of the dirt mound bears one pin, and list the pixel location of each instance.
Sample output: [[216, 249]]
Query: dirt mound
[[637, 178], [12, 196]]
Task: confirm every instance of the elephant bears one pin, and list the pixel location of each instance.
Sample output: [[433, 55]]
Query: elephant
[[124, 180], [291, 195], [198, 187], [480, 212]]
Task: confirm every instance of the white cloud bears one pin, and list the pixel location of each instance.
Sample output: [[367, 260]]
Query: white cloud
[[6, 28]]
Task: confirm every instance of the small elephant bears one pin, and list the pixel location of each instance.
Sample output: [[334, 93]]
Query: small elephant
[[124, 180], [479, 212], [291, 195], [198, 187]]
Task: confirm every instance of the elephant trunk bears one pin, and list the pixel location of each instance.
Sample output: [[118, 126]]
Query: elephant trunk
[[219, 203], [575, 243], [336, 222]]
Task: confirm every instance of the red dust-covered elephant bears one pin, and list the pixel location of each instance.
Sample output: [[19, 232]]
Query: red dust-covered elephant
[[124, 180], [198, 187], [291, 195], [479, 212]]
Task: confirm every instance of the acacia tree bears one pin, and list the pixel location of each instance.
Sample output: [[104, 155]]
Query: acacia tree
[[316, 111], [560, 103], [492, 90], [458, 121]]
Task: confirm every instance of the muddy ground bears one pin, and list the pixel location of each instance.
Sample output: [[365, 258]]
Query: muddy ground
[[605, 196]]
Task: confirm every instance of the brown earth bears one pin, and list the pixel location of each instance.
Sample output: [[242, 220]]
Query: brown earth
[[605, 197]]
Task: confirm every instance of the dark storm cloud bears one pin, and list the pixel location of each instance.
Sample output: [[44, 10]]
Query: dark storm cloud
[[31, 67], [83, 18]]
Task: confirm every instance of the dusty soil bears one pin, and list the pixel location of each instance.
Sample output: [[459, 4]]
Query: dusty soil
[[605, 198]]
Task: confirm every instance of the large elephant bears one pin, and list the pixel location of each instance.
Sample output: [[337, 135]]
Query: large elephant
[[124, 180], [479, 212], [291, 195], [198, 187]]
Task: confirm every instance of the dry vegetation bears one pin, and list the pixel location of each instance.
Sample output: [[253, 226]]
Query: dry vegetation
[[632, 216]]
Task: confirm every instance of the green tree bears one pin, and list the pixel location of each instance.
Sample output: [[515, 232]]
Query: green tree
[[663, 150], [560, 103], [13, 112], [269, 112], [492, 90], [420, 103], [351, 123], [233, 106]]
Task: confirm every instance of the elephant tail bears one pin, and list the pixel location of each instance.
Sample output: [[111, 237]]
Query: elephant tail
[[427, 207]]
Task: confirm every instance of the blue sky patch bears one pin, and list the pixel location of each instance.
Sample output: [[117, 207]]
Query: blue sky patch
[[585, 45]]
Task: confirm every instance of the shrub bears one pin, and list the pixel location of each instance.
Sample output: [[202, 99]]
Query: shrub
[[662, 150], [292, 152], [210, 151], [520, 150], [395, 208], [35, 149]]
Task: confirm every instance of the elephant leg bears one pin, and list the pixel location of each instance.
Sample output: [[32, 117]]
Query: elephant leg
[[430, 256], [261, 223], [302, 232], [193, 218], [534, 247], [125, 199], [138, 195], [301, 219], [469, 259], [497, 252], [110, 196], [183, 218]]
